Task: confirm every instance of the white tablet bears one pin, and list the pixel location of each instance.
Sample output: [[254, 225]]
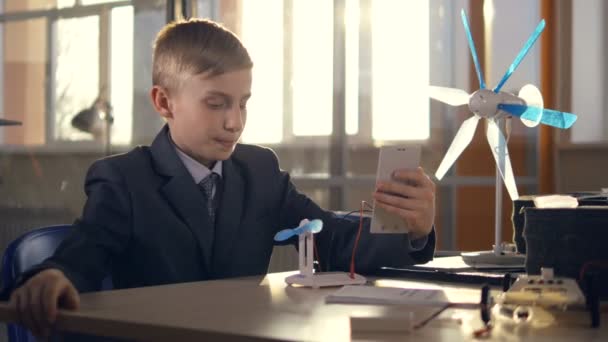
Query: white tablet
[[390, 159]]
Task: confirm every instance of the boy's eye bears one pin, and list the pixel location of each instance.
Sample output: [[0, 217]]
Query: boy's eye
[[215, 104]]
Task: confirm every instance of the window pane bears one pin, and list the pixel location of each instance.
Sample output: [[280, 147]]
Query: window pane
[[352, 66], [21, 5], [23, 81], [64, 3], [312, 82], [149, 18], [121, 94], [400, 69], [589, 47], [76, 68], [95, 2], [262, 34], [2, 112]]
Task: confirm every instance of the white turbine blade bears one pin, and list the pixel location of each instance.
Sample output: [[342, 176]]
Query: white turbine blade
[[460, 142], [497, 143], [533, 97], [451, 96]]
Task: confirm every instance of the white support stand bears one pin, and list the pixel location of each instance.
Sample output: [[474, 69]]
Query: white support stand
[[307, 276], [545, 290], [498, 256]]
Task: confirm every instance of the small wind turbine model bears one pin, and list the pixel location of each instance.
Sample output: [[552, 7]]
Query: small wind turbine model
[[307, 276], [495, 107]]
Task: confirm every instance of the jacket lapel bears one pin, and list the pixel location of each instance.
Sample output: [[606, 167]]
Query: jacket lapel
[[229, 214], [184, 196]]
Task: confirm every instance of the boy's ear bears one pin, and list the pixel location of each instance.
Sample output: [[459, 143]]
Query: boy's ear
[[161, 101]]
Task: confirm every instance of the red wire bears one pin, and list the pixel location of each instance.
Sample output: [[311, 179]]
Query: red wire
[[352, 260], [587, 265]]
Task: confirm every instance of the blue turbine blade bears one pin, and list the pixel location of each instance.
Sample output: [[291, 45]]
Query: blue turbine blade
[[284, 234], [313, 226], [549, 117], [467, 30], [521, 55]]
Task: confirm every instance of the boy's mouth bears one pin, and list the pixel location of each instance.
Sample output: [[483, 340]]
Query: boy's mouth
[[226, 143]]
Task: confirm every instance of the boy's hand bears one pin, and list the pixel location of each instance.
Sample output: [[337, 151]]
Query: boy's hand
[[411, 195], [37, 301]]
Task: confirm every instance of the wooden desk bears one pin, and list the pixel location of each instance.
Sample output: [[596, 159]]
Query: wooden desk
[[266, 309]]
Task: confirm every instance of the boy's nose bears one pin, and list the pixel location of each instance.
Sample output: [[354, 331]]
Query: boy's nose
[[234, 120]]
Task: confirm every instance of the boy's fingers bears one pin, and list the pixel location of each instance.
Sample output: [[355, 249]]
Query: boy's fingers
[[400, 189], [36, 311], [416, 177], [36, 302], [70, 298], [61, 294], [50, 302], [27, 318], [14, 303], [399, 201]]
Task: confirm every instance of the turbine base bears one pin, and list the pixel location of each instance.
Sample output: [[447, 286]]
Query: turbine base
[[485, 258], [325, 279]]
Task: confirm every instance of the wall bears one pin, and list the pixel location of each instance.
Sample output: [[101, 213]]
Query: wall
[[588, 71], [582, 168]]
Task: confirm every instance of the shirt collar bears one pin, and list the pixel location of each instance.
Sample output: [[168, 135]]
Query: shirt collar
[[197, 170]]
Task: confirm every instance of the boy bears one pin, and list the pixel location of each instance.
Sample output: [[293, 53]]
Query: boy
[[196, 205]]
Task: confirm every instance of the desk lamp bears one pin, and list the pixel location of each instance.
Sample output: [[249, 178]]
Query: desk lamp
[[96, 120]]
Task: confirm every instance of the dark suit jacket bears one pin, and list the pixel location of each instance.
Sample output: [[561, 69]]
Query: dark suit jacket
[[145, 223]]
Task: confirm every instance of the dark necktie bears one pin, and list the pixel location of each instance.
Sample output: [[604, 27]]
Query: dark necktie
[[207, 185]]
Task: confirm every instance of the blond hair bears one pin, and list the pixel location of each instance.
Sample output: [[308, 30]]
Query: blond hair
[[193, 47]]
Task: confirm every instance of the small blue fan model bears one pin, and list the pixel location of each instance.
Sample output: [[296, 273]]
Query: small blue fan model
[[313, 226], [306, 245]]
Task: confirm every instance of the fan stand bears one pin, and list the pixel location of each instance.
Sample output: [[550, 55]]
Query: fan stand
[[307, 276], [500, 256]]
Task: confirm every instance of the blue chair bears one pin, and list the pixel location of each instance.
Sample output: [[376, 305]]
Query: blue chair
[[26, 251]]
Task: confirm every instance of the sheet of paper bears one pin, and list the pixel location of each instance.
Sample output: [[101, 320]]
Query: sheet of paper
[[388, 295]]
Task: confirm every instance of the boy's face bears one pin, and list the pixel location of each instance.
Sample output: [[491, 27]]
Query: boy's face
[[207, 115]]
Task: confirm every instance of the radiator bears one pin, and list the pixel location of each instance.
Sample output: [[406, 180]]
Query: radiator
[[16, 221]]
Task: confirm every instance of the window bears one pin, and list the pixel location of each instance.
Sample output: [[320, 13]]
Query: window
[[75, 52], [122, 61], [79, 70], [294, 62], [312, 67], [589, 81], [90, 47], [265, 20], [400, 70], [23, 92], [76, 73]]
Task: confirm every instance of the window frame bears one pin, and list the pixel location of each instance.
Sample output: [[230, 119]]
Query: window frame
[[363, 137], [51, 16]]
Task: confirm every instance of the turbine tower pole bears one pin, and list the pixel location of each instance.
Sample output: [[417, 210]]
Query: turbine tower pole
[[498, 199]]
